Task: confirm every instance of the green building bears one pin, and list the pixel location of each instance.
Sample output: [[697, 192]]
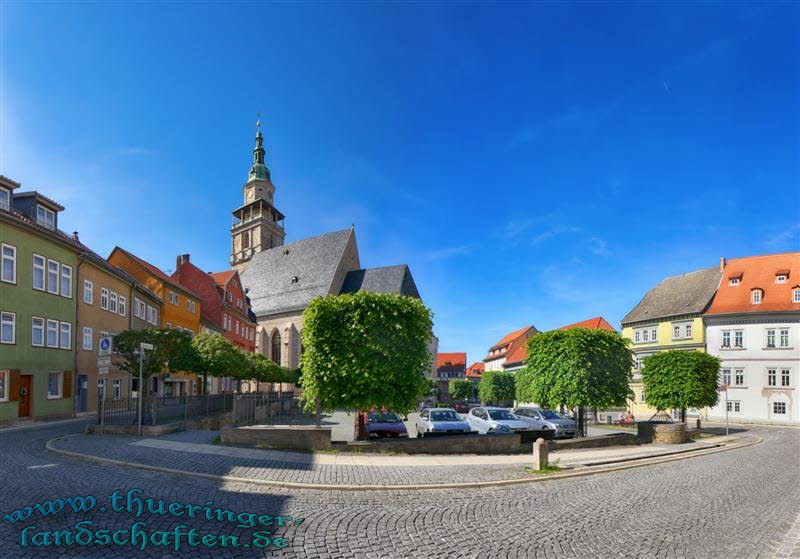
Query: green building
[[38, 281]]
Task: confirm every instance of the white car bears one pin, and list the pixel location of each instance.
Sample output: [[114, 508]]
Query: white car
[[548, 419], [495, 421]]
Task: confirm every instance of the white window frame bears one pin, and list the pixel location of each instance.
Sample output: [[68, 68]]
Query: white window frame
[[87, 337], [738, 334], [756, 297], [61, 332], [41, 329], [5, 379], [770, 334], [88, 292], [104, 297], [734, 281], [121, 304], [57, 282], [49, 216], [734, 406], [4, 320], [775, 405], [116, 389], [772, 377], [737, 373], [12, 258], [152, 316], [781, 278], [784, 338], [112, 302], [5, 199], [51, 326], [726, 334], [796, 295], [786, 377], [51, 396], [101, 388], [726, 376], [174, 298], [65, 277], [43, 268]]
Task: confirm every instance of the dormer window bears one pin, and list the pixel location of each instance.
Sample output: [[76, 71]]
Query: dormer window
[[781, 276], [796, 295], [45, 217], [756, 296], [780, 279], [5, 199], [734, 281]]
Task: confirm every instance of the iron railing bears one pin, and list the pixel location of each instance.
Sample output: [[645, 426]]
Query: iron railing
[[157, 410], [268, 408]]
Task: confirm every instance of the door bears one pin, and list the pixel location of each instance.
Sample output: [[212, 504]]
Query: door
[[83, 389], [25, 382]]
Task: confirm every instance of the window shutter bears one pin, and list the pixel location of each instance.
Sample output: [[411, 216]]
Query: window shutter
[[67, 388], [13, 395]]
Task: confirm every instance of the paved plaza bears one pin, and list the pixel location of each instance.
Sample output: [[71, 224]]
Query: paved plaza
[[741, 503]]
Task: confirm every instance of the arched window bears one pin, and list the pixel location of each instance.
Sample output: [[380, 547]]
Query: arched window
[[276, 347]]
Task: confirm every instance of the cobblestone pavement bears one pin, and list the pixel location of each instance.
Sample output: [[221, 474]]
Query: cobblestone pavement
[[190, 451], [739, 504]]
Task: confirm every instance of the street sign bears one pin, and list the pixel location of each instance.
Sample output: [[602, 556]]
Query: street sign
[[102, 371], [105, 346], [104, 361], [722, 388]]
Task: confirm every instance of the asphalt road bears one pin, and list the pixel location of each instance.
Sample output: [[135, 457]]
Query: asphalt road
[[737, 504]]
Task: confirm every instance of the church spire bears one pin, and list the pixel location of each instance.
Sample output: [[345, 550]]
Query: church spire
[[259, 170]]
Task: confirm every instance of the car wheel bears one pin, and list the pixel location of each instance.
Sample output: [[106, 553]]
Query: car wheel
[[420, 434]]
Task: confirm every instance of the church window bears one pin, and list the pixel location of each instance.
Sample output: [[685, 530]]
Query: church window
[[276, 347], [246, 239]]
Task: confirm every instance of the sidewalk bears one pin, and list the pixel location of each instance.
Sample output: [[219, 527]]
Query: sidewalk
[[192, 452], [31, 424]]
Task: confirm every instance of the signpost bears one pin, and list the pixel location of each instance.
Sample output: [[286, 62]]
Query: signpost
[[720, 388], [103, 363], [142, 348]]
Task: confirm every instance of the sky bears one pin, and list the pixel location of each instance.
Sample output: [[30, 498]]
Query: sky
[[533, 163]]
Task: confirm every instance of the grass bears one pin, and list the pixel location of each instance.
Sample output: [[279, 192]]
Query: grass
[[216, 440], [551, 468]]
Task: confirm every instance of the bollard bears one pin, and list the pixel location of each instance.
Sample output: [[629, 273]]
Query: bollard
[[540, 450], [608, 419], [698, 423]]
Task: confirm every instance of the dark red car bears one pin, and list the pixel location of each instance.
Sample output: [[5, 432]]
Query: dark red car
[[385, 424]]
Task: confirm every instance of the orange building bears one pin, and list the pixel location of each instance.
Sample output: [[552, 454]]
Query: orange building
[[180, 311]]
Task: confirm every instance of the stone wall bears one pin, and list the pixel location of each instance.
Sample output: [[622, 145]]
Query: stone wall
[[662, 433], [289, 437], [455, 444]]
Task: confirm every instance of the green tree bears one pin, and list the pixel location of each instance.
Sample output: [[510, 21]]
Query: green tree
[[218, 357], [126, 353], [681, 379], [576, 368], [460, 389], [365, 351], [177, 351], [496, 386]]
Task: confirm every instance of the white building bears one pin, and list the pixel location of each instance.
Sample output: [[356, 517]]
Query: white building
[[753, 326]]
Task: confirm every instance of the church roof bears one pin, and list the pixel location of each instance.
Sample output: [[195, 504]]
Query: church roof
[[389, 279], [288, 277]]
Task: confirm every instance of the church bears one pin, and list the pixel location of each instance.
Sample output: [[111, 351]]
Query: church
[[281, 279]]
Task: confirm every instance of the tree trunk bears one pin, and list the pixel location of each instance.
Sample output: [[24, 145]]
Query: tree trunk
[[581, 431], [360, 426]]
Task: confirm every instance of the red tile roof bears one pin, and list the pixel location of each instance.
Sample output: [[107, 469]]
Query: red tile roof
[[516, 355], [512, 336], [757, 272], [511, 340], [596, 323], [221, 278], [451, 359], [476, 370]]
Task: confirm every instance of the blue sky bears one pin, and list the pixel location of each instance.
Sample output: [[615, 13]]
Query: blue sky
[[533, 164]]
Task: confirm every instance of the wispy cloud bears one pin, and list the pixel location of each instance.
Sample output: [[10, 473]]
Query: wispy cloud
[[788, 238], [133, 150], [449, 252], [598, 246], [555, 232]]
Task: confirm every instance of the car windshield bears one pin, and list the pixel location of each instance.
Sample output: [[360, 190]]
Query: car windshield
[[444, 415], [383, 417], [549, 414], [501, 414]]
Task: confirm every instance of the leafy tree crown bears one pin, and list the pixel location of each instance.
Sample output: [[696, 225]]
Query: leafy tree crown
[[681, 379]]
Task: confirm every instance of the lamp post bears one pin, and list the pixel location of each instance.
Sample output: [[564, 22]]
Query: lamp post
[[142, 347]]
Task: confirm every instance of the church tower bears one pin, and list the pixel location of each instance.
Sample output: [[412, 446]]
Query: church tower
[[260, 224]]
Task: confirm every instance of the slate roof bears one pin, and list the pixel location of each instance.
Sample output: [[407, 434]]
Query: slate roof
[[312, 261], [389, 279], [688, 293]]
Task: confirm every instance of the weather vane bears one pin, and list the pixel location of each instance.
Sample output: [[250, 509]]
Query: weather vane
[[258, 122]]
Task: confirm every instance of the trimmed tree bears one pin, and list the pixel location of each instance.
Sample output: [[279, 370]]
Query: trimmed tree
[[576, 368], [365, 351], [126, 354], [496, 386], [681, 379], [219, 358], [460, 389]]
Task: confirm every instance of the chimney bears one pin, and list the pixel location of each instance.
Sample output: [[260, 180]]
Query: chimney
[[75, 236], [182, 258], [722, 263]]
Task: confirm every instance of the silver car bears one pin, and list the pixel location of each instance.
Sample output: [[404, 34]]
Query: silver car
[[563, 426], [440, 421], [495, 421]]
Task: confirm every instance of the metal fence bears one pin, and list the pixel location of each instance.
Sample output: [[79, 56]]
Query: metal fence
[[268, 408], [247, 409]]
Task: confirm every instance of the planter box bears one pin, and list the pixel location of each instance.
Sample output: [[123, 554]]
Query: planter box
[[662, 433]]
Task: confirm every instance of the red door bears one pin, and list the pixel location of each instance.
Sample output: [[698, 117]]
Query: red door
[[25, 395]]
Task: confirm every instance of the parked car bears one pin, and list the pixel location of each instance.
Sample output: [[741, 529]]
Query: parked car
[[563, 426], [462, 406], [385, 424], [440, 421], [495, 420]]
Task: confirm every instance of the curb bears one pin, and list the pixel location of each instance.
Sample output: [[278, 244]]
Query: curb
[[587, 471]]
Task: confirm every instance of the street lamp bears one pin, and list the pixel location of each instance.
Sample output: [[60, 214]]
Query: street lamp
[[142, 348]]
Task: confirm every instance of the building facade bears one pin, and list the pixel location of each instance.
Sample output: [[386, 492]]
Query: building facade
[[753, 326], [669, 317], [37, 308], [180, 310], [508, 345], [449, 366]]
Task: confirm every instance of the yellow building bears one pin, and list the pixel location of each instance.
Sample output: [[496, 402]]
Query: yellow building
[[669, 316]]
